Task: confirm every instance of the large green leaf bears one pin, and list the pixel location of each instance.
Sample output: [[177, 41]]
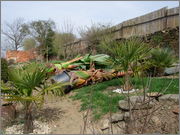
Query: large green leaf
[[82, 74]]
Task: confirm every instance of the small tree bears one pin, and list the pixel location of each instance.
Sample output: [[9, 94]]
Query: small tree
[[161, 58], [66, 36], [127, 54], [27, 89]]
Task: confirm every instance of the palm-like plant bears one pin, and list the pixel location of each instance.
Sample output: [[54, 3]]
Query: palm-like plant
[[162, 58], [127, 55], [28, 87]]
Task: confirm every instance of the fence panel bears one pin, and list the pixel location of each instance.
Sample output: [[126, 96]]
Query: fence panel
[[146, 24]]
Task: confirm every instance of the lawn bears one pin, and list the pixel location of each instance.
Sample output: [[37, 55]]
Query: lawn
[[102, 100]]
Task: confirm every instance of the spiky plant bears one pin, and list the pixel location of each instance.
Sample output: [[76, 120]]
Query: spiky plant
[[28, 87], [162, 58], [127, 55]]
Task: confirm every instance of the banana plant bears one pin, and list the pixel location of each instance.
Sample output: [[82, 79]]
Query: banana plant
[[28, 86]]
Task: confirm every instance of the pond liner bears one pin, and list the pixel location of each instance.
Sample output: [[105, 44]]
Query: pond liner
[[62, 77]]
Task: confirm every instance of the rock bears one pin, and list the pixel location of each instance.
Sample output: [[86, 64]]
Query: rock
[[126, 116], [106, 131], [156, 120], [124, 105], [8, 113], [121, 124], [172, 70], [169, 98], [176, 109], [136, 102], [154, 94], [119, 128], [93, 131], [105, 124], [117, 117], [135, 99]]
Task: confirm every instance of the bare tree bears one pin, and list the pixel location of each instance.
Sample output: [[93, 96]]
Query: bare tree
[[15, 33], [94, 34], [65, 36]]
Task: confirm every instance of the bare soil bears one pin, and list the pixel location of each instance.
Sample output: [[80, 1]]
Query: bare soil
[[69, 120], [64, 117]]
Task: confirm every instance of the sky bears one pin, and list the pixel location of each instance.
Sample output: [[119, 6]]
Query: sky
[[79, 13]]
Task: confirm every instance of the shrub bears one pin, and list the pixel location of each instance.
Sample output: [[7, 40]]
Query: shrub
[[157, 39], [160, 59], [4, 70], [126, 55]]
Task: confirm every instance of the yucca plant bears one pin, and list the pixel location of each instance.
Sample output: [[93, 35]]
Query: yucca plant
[[127, 55], [162, 58], [29, 87]]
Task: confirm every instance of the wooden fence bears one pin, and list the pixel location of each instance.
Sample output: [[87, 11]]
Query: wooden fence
[[155, 21], [75, 48], [149, 23]]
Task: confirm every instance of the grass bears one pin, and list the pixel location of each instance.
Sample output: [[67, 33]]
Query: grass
[[101, 100]]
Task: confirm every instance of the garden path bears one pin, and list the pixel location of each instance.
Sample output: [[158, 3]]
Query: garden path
[[69, 119]]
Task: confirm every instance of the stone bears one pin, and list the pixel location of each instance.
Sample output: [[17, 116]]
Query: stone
[[176, 109], [124, 105], [126, 116], [172, 70], [169, 98], [154, 94], [136, 102], [105, 124], [119, 128], [138, 99], [121, 124], [135, 99], [156, 120], [117, 117], [106, 131]]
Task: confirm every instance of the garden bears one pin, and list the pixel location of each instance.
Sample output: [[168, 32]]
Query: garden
[[128, 89]]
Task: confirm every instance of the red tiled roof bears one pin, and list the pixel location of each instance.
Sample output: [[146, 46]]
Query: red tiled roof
[[21, 56]]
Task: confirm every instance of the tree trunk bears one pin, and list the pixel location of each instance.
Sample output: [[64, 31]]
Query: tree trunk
[[16, 46], [28, 124], [127, 82], [160, 71], [47, 55]]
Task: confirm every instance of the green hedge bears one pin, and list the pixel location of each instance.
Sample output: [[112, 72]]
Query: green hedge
[[4, 70]]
